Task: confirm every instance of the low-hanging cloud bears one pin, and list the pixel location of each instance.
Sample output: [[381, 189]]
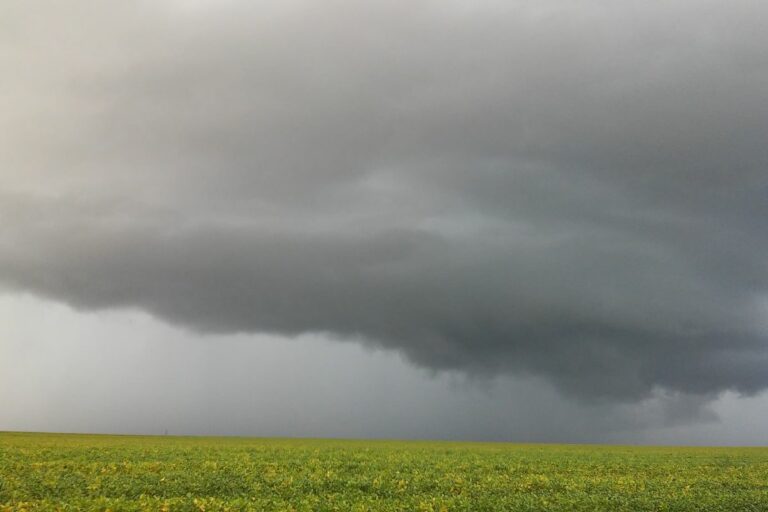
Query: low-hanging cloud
[[571, 190]]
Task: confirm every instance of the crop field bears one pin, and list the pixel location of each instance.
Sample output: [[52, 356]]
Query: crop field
[[84, 472]]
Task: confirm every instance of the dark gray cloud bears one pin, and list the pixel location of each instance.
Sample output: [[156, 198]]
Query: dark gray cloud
[[572, 191]]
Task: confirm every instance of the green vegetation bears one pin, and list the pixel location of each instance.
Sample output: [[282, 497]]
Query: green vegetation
[[80, 472]]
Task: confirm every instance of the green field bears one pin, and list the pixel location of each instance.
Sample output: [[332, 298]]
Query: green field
[[84, 472]]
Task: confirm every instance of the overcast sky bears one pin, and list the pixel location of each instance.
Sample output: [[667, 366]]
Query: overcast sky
[[523, 220]]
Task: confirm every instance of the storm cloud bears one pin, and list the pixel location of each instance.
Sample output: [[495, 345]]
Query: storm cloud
[[575, 191]]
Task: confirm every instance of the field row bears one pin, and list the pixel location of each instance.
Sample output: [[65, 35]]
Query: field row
[[73, 472]]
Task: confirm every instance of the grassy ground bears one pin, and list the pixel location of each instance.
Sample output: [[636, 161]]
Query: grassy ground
[[79, 472]]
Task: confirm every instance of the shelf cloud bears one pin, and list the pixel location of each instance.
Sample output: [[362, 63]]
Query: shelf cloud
[[575, 191]]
